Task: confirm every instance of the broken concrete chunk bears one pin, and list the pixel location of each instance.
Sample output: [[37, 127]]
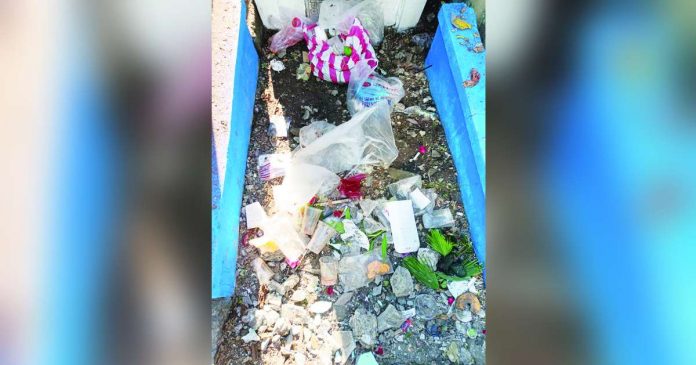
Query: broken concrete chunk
[[345, 344], [402, 188], [341, 305], [390, 318], [364, 326], [401, 282]]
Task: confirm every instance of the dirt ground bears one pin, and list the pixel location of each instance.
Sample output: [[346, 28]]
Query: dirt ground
[[282, 93]]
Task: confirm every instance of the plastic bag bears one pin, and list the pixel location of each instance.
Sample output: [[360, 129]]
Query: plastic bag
[[288, 35], [302, 181], [280, 229], [365, 139], [310, 133], [339, 15], [367, 88], [371, 16]]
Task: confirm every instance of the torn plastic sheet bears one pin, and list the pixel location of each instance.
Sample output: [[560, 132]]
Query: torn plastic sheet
[[365, 139]]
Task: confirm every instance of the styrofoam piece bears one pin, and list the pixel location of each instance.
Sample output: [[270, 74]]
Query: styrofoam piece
[[419, 200], [403, 225], [255, 215]]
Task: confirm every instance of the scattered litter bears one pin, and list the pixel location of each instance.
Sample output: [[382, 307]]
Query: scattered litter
[[468, 301], [403, 226], [367, 88], [313, 131], [263, 272], [274, 165], [402, 188], [438, 219], [419, 200], [354, 236], [310, 219], [287, 36], [255, 215], [328, 266], [350, 186], [422, 40], [277, 65], [364, 140], [303, 71], [321, 237]]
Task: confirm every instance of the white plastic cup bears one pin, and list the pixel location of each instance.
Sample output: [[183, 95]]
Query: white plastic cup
[[328, 267]]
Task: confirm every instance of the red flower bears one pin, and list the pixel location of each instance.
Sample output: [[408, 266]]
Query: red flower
[[338, 213], [484, 331], [313, 200], [450, 300], [422, 149], [379, 351], [329, 290], [350, 186]]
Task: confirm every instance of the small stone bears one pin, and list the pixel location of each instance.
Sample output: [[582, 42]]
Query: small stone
[[274, 301], [341, 305], [251, 337], [282, 327], [435, 154], [401, 282], [377, 290], [453, 352], [422, 133], [298, 296], [300, 358], [290, 282], [334, 92], [320, 307]]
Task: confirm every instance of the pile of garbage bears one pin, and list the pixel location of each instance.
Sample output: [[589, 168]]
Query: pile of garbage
[[345, 278]]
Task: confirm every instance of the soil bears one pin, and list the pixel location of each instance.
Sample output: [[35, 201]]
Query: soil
[[281, 93]]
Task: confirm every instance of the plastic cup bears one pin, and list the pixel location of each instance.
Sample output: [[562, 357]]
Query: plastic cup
[[328, 267], [322, 236]]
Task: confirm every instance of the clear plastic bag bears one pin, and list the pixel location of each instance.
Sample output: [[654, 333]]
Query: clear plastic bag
[[310, 133], [370, 14], [365, 139], [302, 181], [367, 88], [290, 33]]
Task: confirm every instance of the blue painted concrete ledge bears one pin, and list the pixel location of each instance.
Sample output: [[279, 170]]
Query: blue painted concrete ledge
[[462, 111], [227, 203]]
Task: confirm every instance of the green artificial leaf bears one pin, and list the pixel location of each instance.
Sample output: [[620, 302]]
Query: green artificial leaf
[[337, 225], [422, 272], [346, 213], [384, 246], [439, 242]]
